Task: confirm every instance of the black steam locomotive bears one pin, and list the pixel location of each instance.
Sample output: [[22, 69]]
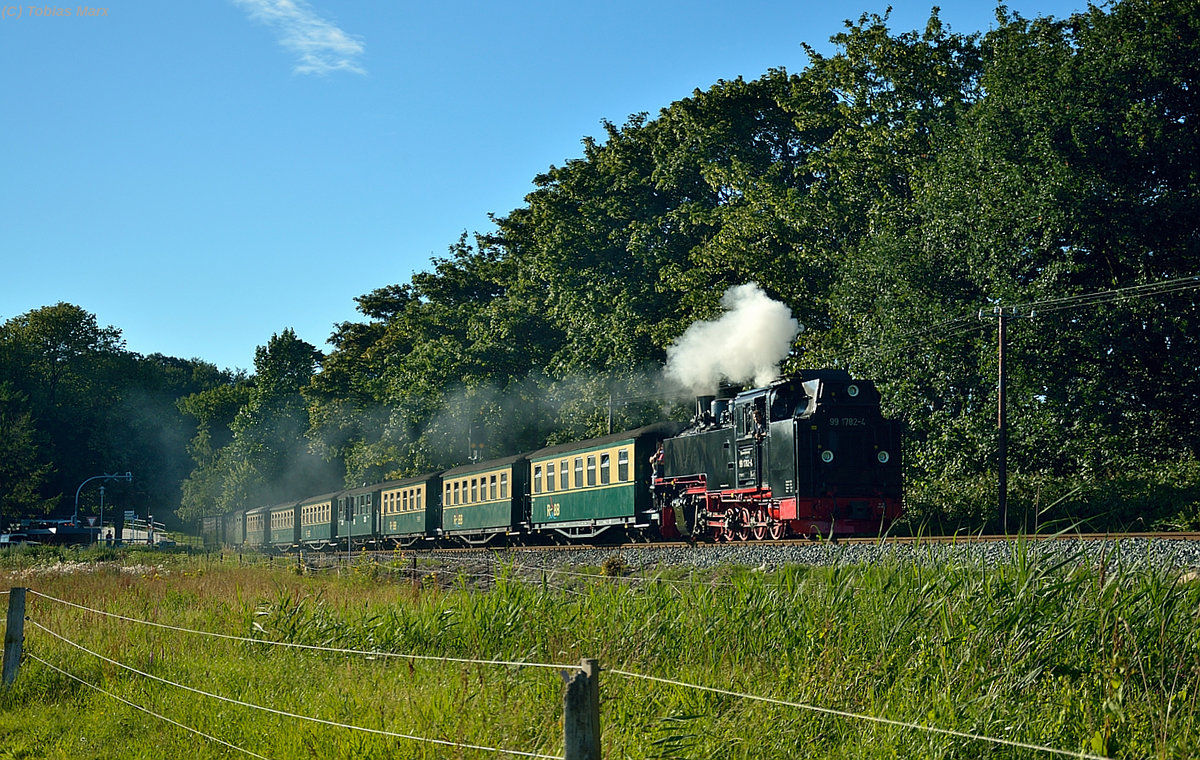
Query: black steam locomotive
[[807, 455]]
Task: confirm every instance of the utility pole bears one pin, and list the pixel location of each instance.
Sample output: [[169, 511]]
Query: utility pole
[[1001, 424], [1002, 316]]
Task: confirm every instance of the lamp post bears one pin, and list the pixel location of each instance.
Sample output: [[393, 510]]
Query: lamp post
[[128, 476]]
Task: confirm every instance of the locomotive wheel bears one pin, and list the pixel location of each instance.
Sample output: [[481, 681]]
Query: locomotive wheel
[[742, 533], [778, 530], [762, 519]]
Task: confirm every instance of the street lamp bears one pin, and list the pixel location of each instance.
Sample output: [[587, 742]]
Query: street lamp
[[115, 476]]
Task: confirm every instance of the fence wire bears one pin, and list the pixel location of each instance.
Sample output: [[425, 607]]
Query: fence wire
[[149, 712], [311, 647], [286, 714], [567, 668], [860, 716]]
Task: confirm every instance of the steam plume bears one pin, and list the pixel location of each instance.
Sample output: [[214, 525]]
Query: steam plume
[[744, 344]]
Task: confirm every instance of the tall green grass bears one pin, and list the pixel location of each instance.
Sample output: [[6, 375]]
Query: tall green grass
[[1060, 653]]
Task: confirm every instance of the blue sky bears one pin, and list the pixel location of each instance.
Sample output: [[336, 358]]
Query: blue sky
[[202, 174]]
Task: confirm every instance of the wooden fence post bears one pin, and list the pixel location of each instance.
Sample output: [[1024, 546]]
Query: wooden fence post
[[581, 713], [14, 635]]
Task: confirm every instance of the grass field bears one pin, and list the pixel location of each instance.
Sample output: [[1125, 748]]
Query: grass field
[[1060, 655]]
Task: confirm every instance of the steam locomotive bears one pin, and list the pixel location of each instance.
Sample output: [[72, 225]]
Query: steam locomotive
[[810, 454]]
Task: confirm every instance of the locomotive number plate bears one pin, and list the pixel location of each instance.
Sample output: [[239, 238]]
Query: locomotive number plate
[[847, 422], [746, 458]]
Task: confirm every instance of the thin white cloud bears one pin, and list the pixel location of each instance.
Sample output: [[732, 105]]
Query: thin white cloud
[[320, 45]]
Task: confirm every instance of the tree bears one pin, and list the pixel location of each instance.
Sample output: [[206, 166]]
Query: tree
[[23, 474], [267, 458], [1066, 178], [59, 358]]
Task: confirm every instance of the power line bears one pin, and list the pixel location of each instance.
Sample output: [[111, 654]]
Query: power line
[[1162, 287], [957, 326]]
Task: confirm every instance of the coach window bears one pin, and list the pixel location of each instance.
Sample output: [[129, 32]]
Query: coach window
[[578, 481], [604, 465], [492, 485], [564, 477], [537, 479], [550, 476], [591, 469], [504, 485], [623, 465]]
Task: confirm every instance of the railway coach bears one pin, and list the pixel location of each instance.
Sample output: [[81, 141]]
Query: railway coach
[[583, 489], [318, 520], [411, 509], [283, 525], [483, 500], [358, 516]]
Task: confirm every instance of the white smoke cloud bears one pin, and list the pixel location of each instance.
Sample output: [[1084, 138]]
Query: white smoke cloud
[[745, 344]]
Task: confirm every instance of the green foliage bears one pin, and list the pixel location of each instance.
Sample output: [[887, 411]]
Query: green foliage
[[22, 474], [250, 447], [76, 404]]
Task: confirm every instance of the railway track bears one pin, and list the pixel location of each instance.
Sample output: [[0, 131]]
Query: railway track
[[961, 539]]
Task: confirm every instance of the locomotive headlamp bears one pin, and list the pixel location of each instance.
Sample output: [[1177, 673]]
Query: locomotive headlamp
[[826, 456], [883, 457], [851, 390]]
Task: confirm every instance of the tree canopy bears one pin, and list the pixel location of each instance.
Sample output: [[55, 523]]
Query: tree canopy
[[893, 194]]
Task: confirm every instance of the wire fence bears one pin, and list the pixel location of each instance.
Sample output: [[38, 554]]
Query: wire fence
[[421, 657]]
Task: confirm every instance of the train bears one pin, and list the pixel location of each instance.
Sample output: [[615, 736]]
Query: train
[[807, 455]]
